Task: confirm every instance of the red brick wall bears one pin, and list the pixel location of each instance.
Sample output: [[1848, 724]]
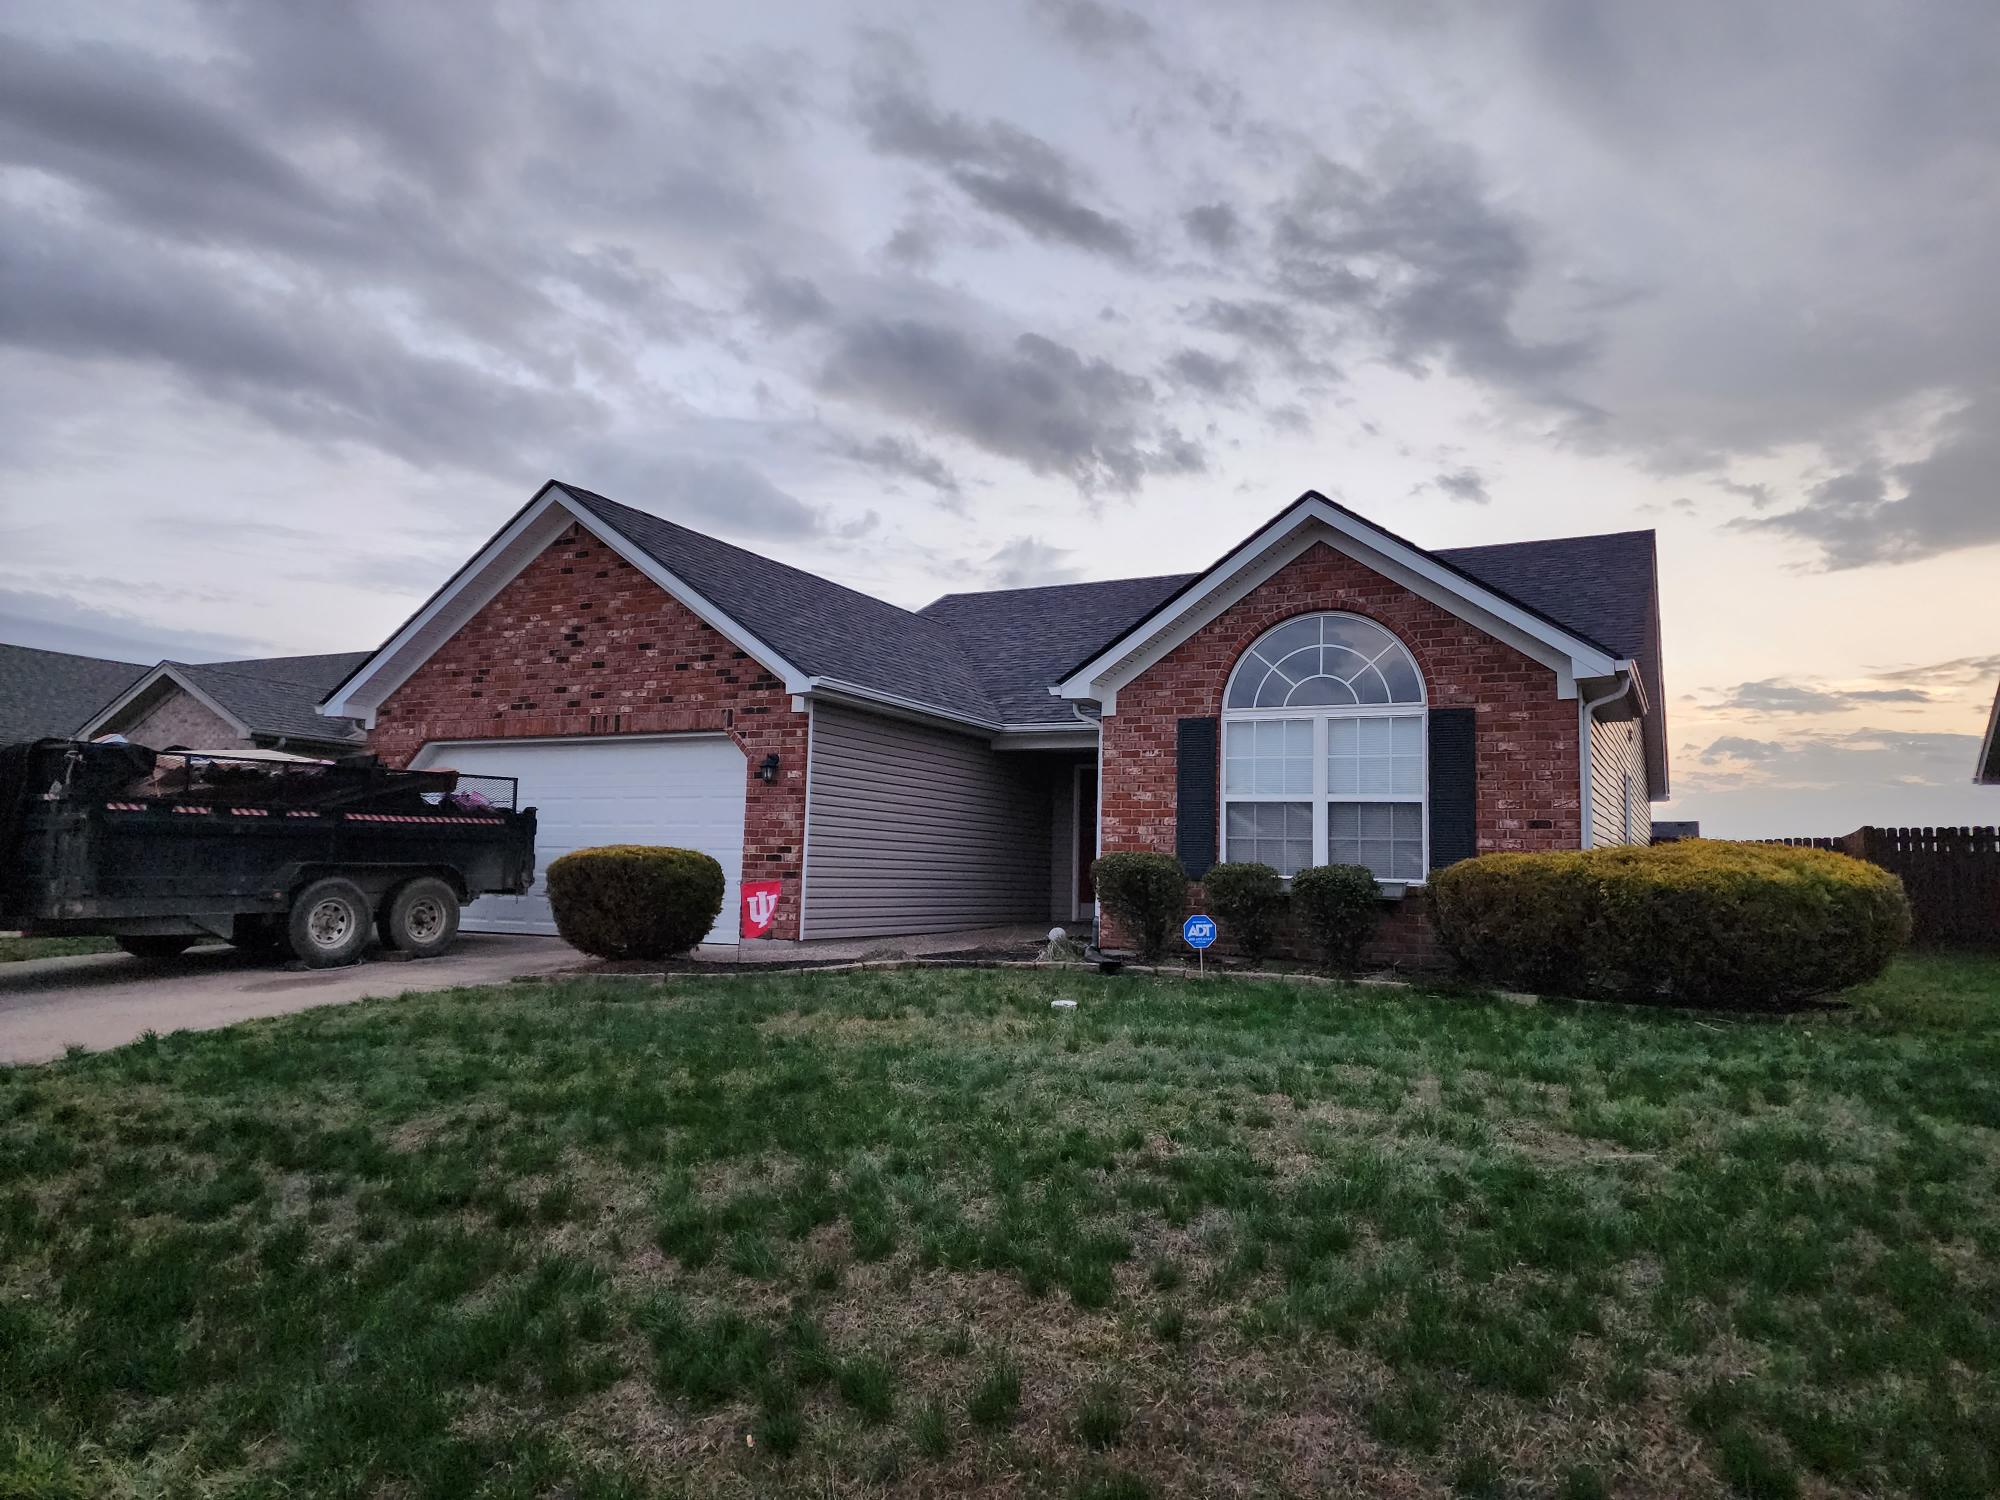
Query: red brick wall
[[583, 643], [1526, 736]]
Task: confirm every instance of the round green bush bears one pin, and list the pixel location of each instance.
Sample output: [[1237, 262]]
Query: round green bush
[[1698, 922], [1247, 901], [1336, 908], [635, 900], [1146, 892]]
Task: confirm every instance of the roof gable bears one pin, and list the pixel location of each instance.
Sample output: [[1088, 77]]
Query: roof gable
[[823, 628], [1310, 520], [809, 631], [276, 696]]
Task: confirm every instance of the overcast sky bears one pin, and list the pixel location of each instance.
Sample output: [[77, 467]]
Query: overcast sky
[[299, 302]]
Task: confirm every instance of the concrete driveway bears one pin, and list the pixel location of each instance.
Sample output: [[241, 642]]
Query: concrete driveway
[[104, 1000]]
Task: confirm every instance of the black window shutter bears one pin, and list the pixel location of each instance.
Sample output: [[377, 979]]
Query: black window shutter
[[1195, 745], [1454, 787]]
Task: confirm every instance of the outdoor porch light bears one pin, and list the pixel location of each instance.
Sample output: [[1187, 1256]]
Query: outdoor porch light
[[767, 768]]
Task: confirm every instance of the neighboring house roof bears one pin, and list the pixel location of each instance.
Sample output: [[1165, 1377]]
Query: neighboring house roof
[[1988, 773], [271, 696], [991, 658], [49, 694]]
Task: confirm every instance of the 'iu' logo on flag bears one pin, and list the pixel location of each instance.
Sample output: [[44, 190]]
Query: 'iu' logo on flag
[[760, 905]]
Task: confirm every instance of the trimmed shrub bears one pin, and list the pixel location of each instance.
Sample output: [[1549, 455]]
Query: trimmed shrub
[[1336, 908], [1147, 893], [635, 900], [1247, 901], [1698, 922]]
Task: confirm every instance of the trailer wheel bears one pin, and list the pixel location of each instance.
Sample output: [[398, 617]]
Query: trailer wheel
[[155, 945], [329, 924], [420, 917]]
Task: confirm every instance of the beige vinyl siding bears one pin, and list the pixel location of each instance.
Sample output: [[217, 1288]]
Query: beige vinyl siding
[[1618, 784], [912, 829]]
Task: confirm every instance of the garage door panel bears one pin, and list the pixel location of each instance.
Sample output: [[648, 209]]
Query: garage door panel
[[682, 790]]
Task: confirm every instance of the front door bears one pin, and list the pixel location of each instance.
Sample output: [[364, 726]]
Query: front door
[[1086, 837]]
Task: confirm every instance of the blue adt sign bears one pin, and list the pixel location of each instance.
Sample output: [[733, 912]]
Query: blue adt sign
[[1199, 931]]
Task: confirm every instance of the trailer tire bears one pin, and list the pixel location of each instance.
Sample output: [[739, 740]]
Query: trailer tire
[[155, 944], [329, 925], [420, 917]]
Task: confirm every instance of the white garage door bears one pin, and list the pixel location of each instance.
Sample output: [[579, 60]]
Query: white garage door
[[685, 790]]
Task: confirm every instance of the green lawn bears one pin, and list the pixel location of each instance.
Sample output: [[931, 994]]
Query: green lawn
[[916, 1232], [14, 949]]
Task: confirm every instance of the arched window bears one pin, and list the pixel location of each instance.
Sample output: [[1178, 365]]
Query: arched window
[[1323, 750]]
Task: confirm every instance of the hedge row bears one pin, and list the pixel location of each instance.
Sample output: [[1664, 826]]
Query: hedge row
[[1697, 922], [1335, 907]]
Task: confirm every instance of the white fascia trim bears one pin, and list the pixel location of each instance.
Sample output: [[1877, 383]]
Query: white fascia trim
[[1236, 574], [164, 671], [836, 690], [535, 527], [1046, 737]]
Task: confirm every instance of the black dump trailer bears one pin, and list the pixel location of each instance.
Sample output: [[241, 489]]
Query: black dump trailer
[[163, 849]]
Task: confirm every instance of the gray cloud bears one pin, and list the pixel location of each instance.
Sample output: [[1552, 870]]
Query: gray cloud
[[1468, 485], [1213, 226], [61, 622], [1775, 695], [1959, 672], [1002, 168], [706, 493], [1028, 562], [784, 302], [1879, 513], [1097, 27], [1416, 251], [1199, 370], [1037, 401], [901, 460]]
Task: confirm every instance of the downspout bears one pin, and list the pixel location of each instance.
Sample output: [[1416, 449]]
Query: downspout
[[1586, 714]]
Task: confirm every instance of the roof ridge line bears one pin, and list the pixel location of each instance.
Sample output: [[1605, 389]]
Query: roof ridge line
[[762, 557]]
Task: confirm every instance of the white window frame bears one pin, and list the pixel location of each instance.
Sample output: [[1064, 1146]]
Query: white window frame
[[1319, 715]]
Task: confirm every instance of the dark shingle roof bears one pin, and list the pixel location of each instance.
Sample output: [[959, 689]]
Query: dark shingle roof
[[820, 627], [276, 695], [1605, 587], [1021, 640], [52, 694], [992, 656]]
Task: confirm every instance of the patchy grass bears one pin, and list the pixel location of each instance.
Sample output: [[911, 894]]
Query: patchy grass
[[849, 1234], [17, 949]]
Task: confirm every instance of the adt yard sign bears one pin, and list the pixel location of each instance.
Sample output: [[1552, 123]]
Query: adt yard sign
[[1199, 931]]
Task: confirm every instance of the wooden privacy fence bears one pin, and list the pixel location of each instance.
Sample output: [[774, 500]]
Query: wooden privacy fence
[[1952, 876]]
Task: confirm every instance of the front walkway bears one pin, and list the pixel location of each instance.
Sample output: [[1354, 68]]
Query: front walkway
[[916, 945]]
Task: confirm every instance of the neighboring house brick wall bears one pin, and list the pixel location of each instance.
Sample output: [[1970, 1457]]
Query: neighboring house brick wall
[[1618, 800], [1528, 798], [178, 718], [581, 643]]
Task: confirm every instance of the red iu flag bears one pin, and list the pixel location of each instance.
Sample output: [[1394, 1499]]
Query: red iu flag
[[760, 905]]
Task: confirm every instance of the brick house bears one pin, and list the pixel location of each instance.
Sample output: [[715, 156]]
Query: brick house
[[266, 703], [1325, 692]]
